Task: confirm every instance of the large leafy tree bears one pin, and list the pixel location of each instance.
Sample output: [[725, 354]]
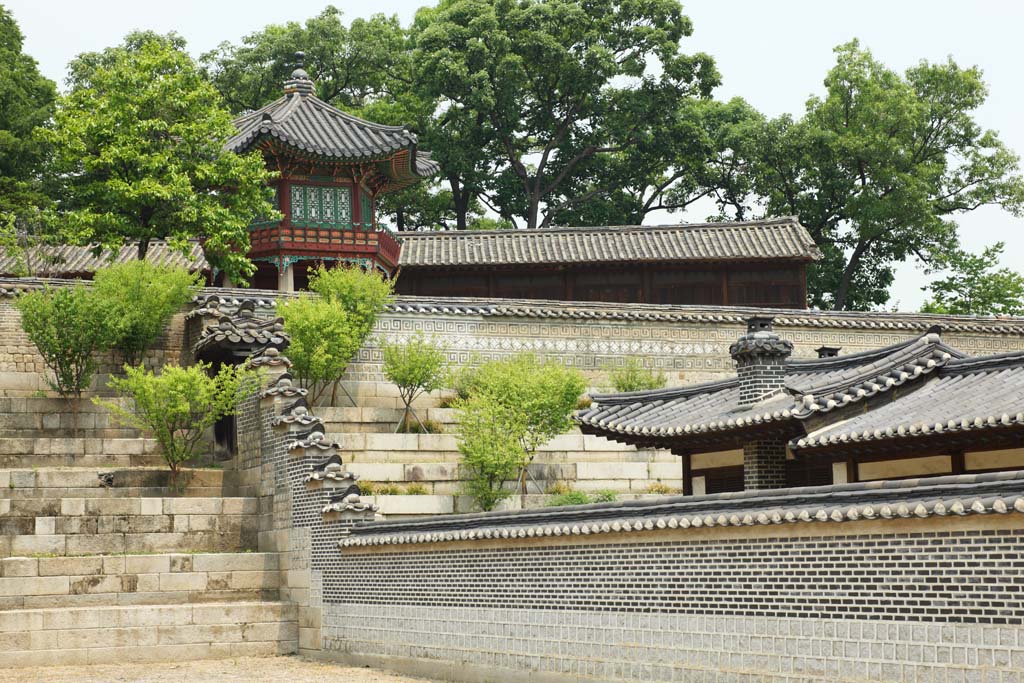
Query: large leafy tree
[[26, 102], [138, 142], [700, 153], [548, 87], [975, 284], [879, 167]]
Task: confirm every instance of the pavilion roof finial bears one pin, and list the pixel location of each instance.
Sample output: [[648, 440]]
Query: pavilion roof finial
[[300, 82]]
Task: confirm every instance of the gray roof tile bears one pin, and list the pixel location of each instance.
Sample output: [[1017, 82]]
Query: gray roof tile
[[781, 238]]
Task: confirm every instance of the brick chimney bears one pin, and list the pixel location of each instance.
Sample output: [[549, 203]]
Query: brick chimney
[[760, 357]]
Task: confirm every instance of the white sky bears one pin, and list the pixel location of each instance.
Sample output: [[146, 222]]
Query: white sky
[[774, 54]]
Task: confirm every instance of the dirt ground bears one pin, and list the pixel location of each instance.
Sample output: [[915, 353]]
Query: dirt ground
[[244, 670]]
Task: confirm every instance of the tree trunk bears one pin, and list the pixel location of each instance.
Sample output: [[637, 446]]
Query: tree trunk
[[843, 293], [460, 200], [533, 212], [143, 248], [399, 220]]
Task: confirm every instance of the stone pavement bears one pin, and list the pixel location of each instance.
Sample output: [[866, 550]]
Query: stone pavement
[[242, 670]]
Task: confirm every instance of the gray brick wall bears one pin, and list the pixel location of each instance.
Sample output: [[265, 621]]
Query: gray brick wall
[[764, 464], [919, 602]]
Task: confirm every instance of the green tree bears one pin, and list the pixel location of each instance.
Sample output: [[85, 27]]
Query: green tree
[[138, 142], [179, 404], [327, 330], [541, 89], [26, 102], [633, 376], [539, 397], [142, 298], [878, 168], [69, 326], [492, 451], [415, 365], [975, 285]]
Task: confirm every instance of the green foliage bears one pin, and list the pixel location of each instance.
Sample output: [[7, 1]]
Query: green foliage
[[492, 453], [584, 402], [416, 489], [878, 167], [138, 144], [633, 376], [535, 94], [327, 330], [387, 490], [416, 366], [658, 487], [975, 285], [142, 298], [179, 404], [570, 498], [605, 496], [68, 326], [26, 102], [513, 407], [420, 427]]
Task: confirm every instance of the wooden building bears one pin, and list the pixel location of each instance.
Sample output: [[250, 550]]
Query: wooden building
[[332, 167], [914, 409], [756, 263]]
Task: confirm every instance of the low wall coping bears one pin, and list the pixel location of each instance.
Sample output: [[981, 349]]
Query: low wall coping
[[228, 298], [996, 492]]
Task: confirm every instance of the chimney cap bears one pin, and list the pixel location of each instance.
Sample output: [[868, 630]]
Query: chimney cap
[[828, 351], [760, 323]]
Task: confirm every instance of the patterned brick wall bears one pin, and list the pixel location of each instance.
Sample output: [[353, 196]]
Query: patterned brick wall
[[894, 601]]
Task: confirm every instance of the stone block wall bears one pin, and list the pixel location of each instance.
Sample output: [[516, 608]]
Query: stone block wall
[[795, 589]]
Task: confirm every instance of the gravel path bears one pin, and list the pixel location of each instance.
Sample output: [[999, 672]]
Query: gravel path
[[243, 670]]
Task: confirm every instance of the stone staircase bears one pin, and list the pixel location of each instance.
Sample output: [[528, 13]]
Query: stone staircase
[[100, 561]]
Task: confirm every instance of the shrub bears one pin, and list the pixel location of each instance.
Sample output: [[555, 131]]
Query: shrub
[[605, 496], [367, 488], [570, 498], [421, 427], [327, 331], [583, 403], [416, 490], [658, 487], [632, 376], [68, 326], [540, 395], [491, 448], [558, 488], [143, 297], [461, 381], [415, 366], [179, 404], [388, 490]]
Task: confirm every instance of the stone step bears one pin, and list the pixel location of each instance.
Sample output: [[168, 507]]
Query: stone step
[[104, 580], [85, 451], [85, 482], [146, 633], [85, 526], [379, 420]]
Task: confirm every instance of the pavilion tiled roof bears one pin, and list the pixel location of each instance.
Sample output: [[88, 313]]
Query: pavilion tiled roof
[[773, 239], [811, 387], [308, 124]]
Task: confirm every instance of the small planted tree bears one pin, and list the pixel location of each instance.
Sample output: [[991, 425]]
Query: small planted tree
[[143, 297], [179, 404], [535, 397], [68, 326], [490, 441], [326, 331], [633, 376], [416, 365]]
